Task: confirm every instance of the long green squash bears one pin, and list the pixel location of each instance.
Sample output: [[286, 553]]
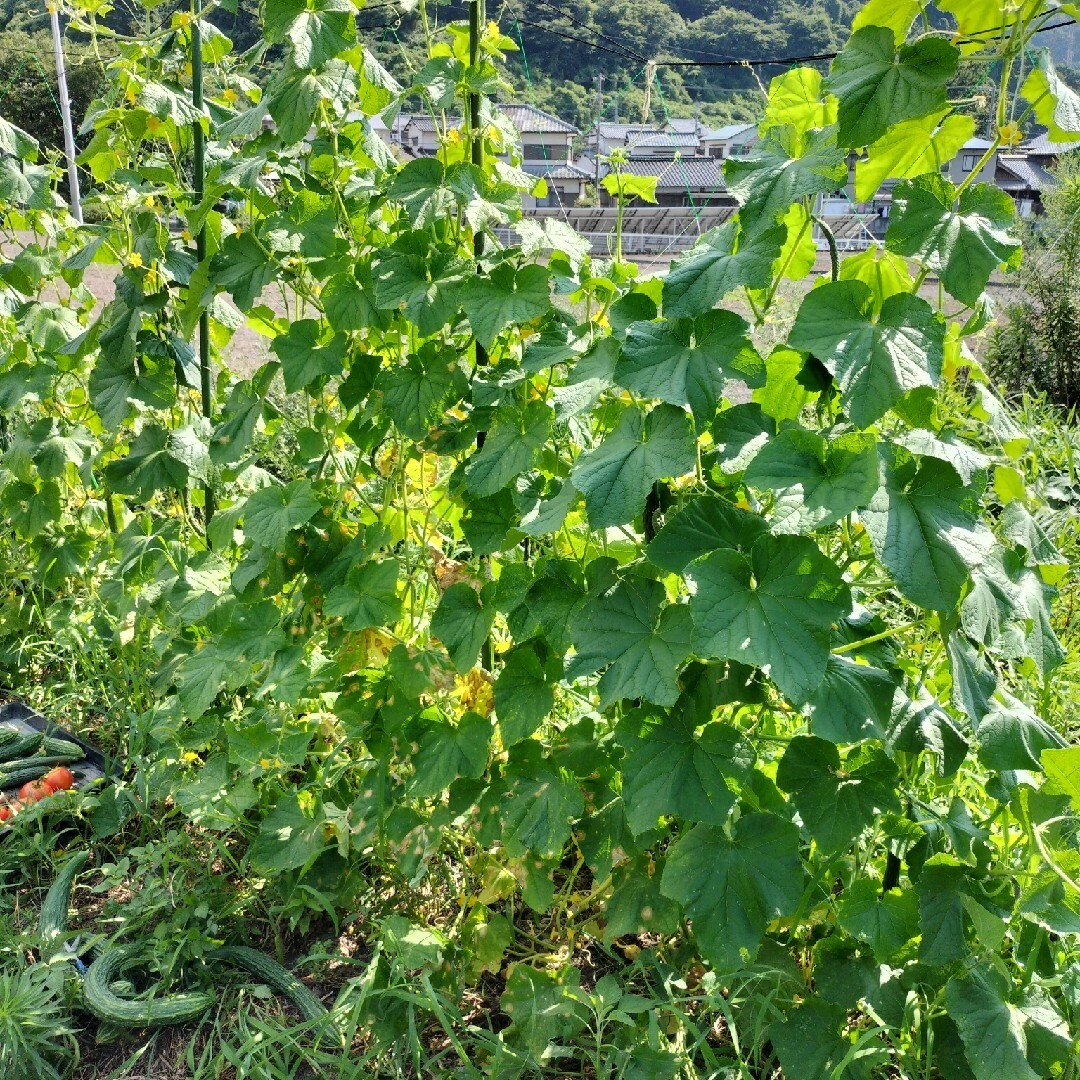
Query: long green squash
[[274, 975], [52, 919], [105, 1004]]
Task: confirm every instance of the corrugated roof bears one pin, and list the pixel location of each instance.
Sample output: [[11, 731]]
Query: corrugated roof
[[680, 172], [722, 134], [567, 172], [1042, 146], [529, 119], [687, 125]]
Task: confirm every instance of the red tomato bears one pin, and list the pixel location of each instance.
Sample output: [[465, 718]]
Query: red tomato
[[59, 779], [9, 809], [35, 790]]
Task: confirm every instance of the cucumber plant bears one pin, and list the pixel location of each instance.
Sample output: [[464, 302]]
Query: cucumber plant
[[765, 676]]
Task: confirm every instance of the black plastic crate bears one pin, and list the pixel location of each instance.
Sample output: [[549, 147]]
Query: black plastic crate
[[90, 769]]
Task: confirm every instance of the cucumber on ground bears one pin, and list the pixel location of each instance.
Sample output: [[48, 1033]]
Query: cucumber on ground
[[105, 1004], [52, 919], [24, 743], [8, 735], [274, 975]]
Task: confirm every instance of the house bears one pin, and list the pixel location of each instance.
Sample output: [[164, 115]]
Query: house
[[547, 150], [731, 140], [1024, 180], [422, 136], [604, 137], [694, 182], [971, 153]]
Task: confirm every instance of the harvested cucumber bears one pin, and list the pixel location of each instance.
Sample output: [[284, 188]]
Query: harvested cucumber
[[274, 975], [23, 744], [58, 747], [8, 735], [105, 1004], [15, 773]]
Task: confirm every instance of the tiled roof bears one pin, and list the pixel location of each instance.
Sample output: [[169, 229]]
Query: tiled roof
[[1018, 173], [529, 119], [567, 172], [673, 140], [686, 125], [681, 172], [1044, 147], [611, 130], [425, 123]]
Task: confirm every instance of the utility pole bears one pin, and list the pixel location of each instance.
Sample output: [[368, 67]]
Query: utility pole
[[65, 113], [599, 112], [199, 185]]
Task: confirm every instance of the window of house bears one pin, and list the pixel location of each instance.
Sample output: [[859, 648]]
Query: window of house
[[716, 151], [534, 151], [969, 162]]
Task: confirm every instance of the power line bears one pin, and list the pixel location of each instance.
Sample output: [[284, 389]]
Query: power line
[[746, 62], [599, 34]]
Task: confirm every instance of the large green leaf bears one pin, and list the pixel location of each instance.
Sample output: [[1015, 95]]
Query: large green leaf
[[704, 524], [271, 513], [536, 812], [671, 771], [462, 622], [415, 392], [773, 608], [449, 751], [733, 886], [886, 922], [368, 597], [1054, 103], [297, 94], [818, 479], [619, 473], [686, 363], [992, 1029], [424, 284], [317, 29], [117, 387], [525, 693], [510, 446], [159, 459], [897, 15], [307, 353], [941, 910], [923, 145], [963, 240], [290, 837], [241, 267], [924, 526], [837, 802], [640, 639], [879, 85], [503, 298], [767, 181], [876, 359], [853, 702], [720, 262], [1012, 737], [809, 1044]]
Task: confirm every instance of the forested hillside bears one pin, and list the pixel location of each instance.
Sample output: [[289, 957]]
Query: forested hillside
[[563, 47]]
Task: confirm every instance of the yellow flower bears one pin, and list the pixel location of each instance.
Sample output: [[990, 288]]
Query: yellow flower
[[148, 202], [474, 692], [133, 259], [229, 94], [186, 234], [153, 125], [453, 136], [183, 19], [190, 756]]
